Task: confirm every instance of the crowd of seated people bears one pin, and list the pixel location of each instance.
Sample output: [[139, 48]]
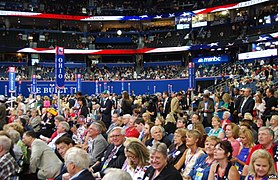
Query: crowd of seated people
[[220, 135], [259, 72]]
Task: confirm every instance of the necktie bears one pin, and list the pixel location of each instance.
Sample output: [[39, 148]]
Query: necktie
[[113, 152]]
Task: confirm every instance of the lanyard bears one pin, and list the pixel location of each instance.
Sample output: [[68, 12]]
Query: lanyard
[[187, 161], [173, 152]]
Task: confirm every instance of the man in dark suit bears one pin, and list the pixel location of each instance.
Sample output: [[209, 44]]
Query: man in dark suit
[[77, 162], [206, 109], [105, 108], [238, 96], [247, 103], [114, 156], [166, 104], [270, 104]]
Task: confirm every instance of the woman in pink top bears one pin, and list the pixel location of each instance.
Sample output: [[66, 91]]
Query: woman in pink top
[[46, 102], [232, 131]]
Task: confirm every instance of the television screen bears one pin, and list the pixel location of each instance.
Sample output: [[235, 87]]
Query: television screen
[[183, 22]]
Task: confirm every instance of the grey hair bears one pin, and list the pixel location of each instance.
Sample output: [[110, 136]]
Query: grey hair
[[65, 125], [227, 112], [161, 129], [98, 126], [6, 143], [14, 135], [119, 128], [78, 157], [159, 147], [113, 173], [270, 131], [59, 118]]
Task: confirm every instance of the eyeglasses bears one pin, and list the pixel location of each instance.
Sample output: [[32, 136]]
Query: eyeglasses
[[115, 136]]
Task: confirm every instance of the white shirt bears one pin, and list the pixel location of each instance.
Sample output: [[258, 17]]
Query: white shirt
[[164, 105], [51, 144]]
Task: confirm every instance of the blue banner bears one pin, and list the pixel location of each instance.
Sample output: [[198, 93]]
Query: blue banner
[[211, 59], [19, 87], [123, 85], [34, 84], [79, 85], [46, 88], [96, 87], [12, 87], [59, 67], [105, 86], [191, 75]]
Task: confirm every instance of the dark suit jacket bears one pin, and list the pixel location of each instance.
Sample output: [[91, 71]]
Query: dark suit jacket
[[106, 114], [269, 103], [168, 173], [248, 106], [116, 162], [238, 101], [85, 175], [84, 111], [167, 107], [63, 171], [164, 140], [71, 102]]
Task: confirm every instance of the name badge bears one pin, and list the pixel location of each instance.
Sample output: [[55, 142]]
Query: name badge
[[177, 153]]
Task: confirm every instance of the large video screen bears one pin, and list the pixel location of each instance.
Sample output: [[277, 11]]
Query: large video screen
[[183, 22]]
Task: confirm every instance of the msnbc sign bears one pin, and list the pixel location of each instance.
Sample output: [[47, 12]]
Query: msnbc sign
[[211, 59]]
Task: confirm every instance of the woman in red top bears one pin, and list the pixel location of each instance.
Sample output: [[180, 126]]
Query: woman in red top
[[225, 121]]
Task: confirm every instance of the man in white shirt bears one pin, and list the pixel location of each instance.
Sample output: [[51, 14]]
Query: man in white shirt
[[62, 129]]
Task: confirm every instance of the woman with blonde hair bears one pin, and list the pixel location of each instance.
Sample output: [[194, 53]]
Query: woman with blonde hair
[[261, 166], [159, 121], [201, 169], [216, 130], [259, 107], [46, 102], [146, 116], [232, 131], [228, 104], [247, 142], [191, 155], [15, 126], [137, 158], [200, 128]]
